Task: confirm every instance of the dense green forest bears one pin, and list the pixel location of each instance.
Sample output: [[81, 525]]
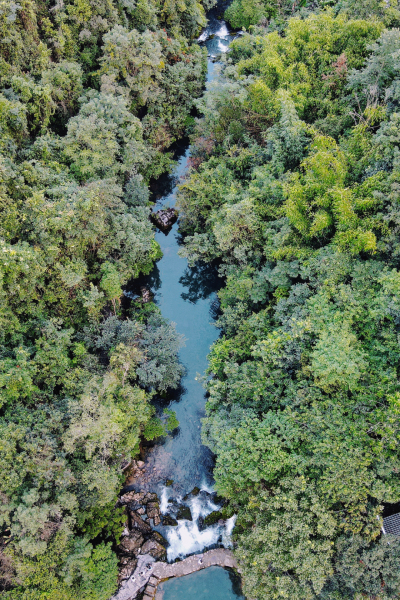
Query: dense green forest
[[93, 93], [294, 191]]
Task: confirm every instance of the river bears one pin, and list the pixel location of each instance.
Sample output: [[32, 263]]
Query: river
[[187, 296]]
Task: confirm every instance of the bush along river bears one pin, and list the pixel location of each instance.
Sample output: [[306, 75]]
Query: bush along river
[[169, 495]]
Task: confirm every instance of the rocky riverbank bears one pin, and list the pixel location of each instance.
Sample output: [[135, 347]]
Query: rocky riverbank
[[139, 538]]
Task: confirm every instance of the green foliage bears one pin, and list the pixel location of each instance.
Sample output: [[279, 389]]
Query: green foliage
[[107, 521], [159, 74], [86, 114], [294, 190], [172, 421], [157, 427], [154, 429], [92, 570]]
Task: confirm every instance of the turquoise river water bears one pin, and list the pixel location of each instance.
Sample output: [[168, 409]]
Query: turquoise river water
[[187, 296]]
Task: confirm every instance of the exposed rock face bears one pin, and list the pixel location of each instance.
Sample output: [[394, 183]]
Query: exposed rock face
[[138, 523], [149, 497], [153, 512], [165, 218], [139, 539], [131, 497], [131, 543], [127, 566], [154, 549]]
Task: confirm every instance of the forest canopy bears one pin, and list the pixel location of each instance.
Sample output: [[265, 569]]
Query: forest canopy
[[294, 191]]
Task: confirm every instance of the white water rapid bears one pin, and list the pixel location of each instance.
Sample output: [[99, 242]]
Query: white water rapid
[[189, 536]]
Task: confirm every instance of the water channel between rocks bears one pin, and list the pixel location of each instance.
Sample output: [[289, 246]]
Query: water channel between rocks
[[187, 296]]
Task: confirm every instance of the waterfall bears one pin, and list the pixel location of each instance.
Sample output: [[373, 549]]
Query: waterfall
[[190, 536]]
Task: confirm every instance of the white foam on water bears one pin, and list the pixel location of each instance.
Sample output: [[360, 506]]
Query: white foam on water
[[205, 487], [187, 537], [203, 36], [164, 503], [226, 534], [222, 47], [223, 31], [201, 508]]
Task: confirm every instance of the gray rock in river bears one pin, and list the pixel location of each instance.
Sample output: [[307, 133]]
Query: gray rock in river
[[169, 521], [195, 492], [153, 512], [164, 218], [184, 513], [138, 523]]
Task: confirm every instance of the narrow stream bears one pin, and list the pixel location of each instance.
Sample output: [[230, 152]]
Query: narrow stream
[[187, 296]]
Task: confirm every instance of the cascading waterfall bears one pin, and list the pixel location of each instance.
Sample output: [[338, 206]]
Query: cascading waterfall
[[223, 35], [189, 536]]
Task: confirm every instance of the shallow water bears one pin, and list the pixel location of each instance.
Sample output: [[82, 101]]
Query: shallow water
[[214, 583]]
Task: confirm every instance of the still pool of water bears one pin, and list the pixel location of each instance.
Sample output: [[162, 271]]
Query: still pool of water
[[213, 583]]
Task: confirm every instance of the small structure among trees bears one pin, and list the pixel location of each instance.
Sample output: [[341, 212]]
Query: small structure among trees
[[391, 525]]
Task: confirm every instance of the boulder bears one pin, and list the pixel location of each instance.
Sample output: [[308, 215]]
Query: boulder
[[138, 523], [127, 567], [195, 492], [153, 512], [155, 549], [184, 513], [147, 295], [132, 497], [169, 521], [164, 218], [149, 497], [131, 543], [159, 538], [136, 506], [213, 518]]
